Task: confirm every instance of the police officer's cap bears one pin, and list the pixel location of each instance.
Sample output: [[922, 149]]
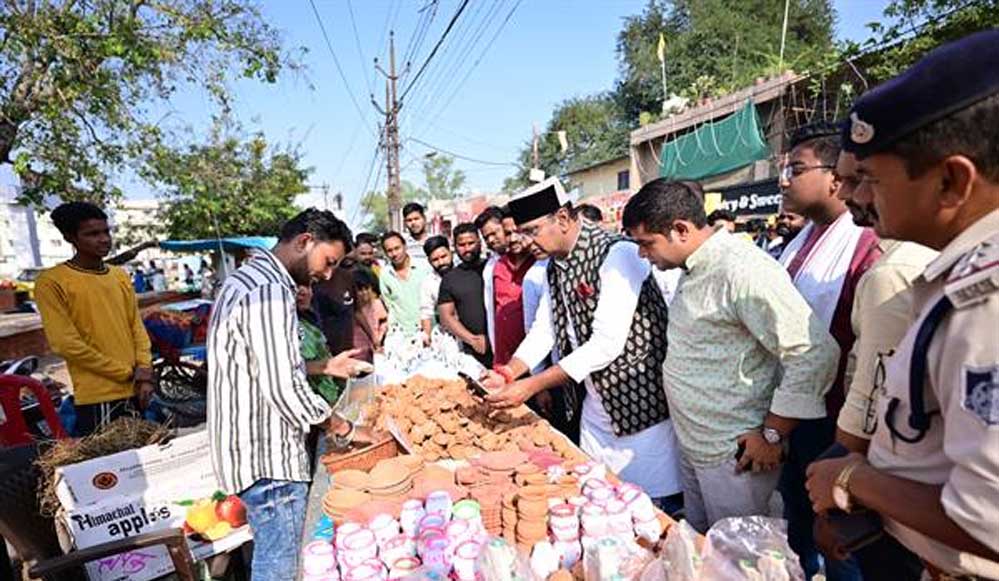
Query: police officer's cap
[[948, 79]]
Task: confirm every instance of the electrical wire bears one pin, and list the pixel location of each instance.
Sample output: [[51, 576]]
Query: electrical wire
[[339, 69], [433, 52], [475, 65], [357, 43], [464, 39], [463, 48], [459, 156]]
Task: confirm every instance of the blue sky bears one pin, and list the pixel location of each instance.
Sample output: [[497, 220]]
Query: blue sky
[[550, 50]]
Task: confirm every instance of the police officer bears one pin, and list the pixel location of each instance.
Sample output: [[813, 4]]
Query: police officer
[[928, 149]]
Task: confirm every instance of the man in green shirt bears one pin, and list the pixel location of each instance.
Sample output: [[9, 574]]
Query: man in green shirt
[[400, 284], [747, 358]]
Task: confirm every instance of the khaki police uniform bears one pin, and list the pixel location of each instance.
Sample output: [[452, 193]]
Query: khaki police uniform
[[959, 447]]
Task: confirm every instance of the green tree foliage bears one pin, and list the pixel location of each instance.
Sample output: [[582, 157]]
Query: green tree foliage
[[78, 81], [443, 181], [596, 131], [911, 28], [714, 47], [241, 186], [374, 205]]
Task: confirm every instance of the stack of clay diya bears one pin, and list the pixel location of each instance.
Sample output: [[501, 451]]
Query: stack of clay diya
[[338, 502], [532, 515], [356, 495], [390, 479]]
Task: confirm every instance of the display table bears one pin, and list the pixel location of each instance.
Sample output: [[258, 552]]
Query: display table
[[314, 506]]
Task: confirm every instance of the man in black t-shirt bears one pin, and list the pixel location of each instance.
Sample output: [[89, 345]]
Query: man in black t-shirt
[[461, 307]]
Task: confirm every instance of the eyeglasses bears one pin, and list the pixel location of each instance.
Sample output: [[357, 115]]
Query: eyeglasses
[[529, 232], [871, 414], [794, 170]]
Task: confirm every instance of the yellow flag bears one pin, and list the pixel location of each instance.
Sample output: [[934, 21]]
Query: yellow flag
[[661, 50]]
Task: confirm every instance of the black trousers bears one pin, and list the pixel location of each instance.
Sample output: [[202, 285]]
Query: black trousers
[[89, 417], [888, 560]]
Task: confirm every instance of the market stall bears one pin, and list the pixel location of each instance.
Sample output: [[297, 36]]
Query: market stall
[[465, 491]]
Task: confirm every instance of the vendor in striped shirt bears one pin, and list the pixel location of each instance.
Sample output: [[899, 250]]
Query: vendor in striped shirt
[[260, 406]]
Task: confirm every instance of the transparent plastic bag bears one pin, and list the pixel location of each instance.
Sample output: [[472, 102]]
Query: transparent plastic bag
[[749, 548], [500, 561], [680, 558], [612, 558], [358, 396]]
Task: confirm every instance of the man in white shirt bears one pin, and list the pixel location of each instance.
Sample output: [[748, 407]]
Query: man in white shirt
[[414, 216], [438, 251], [607, 317]]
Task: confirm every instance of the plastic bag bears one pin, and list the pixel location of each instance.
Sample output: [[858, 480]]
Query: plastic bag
[[680, 558], [751, 548], [359, 394], [612, 558], [500, 561]]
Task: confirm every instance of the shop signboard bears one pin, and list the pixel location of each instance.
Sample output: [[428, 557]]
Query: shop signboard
[[753, 199]]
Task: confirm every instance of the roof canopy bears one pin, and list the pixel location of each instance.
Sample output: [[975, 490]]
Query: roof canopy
[[227, 244], [715, 147]]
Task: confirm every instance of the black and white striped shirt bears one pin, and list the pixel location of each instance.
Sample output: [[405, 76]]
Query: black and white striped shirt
[[260, 406]]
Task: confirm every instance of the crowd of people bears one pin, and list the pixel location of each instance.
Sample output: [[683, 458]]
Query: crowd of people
[[840, 367]]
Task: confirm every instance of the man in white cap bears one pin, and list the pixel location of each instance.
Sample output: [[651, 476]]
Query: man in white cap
[[607, 318]]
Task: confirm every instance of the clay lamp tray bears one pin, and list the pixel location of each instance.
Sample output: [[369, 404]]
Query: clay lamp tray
[[389, 475], [501, 461], [336, 503], [351, 479], [413, 462]]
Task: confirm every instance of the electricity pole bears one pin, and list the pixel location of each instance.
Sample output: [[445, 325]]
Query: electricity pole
[[391, 138]]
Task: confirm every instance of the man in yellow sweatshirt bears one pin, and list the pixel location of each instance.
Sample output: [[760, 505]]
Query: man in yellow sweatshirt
[[91, 319]]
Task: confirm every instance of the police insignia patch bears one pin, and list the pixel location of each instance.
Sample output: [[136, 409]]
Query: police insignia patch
[[981, 393], [860, 131]]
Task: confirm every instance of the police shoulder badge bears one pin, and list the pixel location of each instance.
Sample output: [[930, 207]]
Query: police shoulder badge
[[981, 393], [975, 277], [860, 131]]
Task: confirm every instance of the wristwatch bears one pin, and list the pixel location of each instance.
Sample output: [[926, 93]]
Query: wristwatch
[[772, 436], [841, 488]]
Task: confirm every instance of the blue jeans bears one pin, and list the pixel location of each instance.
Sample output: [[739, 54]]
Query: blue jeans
[[809, 440], [275, 510]]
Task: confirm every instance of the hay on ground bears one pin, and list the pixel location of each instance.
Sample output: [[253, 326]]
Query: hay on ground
[[120, 435]]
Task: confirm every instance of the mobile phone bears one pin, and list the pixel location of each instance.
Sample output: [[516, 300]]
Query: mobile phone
[[473, 385]]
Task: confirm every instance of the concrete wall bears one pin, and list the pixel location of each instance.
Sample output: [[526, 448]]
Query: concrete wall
[[599, 180]]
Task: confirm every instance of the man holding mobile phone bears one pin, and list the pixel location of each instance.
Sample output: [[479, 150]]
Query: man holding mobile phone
[[747, 357]]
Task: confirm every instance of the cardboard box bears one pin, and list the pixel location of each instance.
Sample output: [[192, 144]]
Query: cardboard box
[[183, 464], [139, 491], [94, 524]]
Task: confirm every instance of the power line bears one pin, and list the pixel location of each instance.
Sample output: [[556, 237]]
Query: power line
[[440, 41], [475, 65], [357, 43], [364, 189], [339, 69], [459, 156], [463, 45], [427, 15]]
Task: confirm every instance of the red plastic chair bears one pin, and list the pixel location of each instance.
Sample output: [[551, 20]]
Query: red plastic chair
[[13, 428]]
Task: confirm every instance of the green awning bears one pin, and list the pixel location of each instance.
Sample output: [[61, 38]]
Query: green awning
[[715, 147]]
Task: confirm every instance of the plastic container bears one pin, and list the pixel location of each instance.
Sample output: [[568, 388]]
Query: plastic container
[[409, 518], [384, 526], [397, 548], [403, 567], [465, 556], [439, 502], [431, 521]]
